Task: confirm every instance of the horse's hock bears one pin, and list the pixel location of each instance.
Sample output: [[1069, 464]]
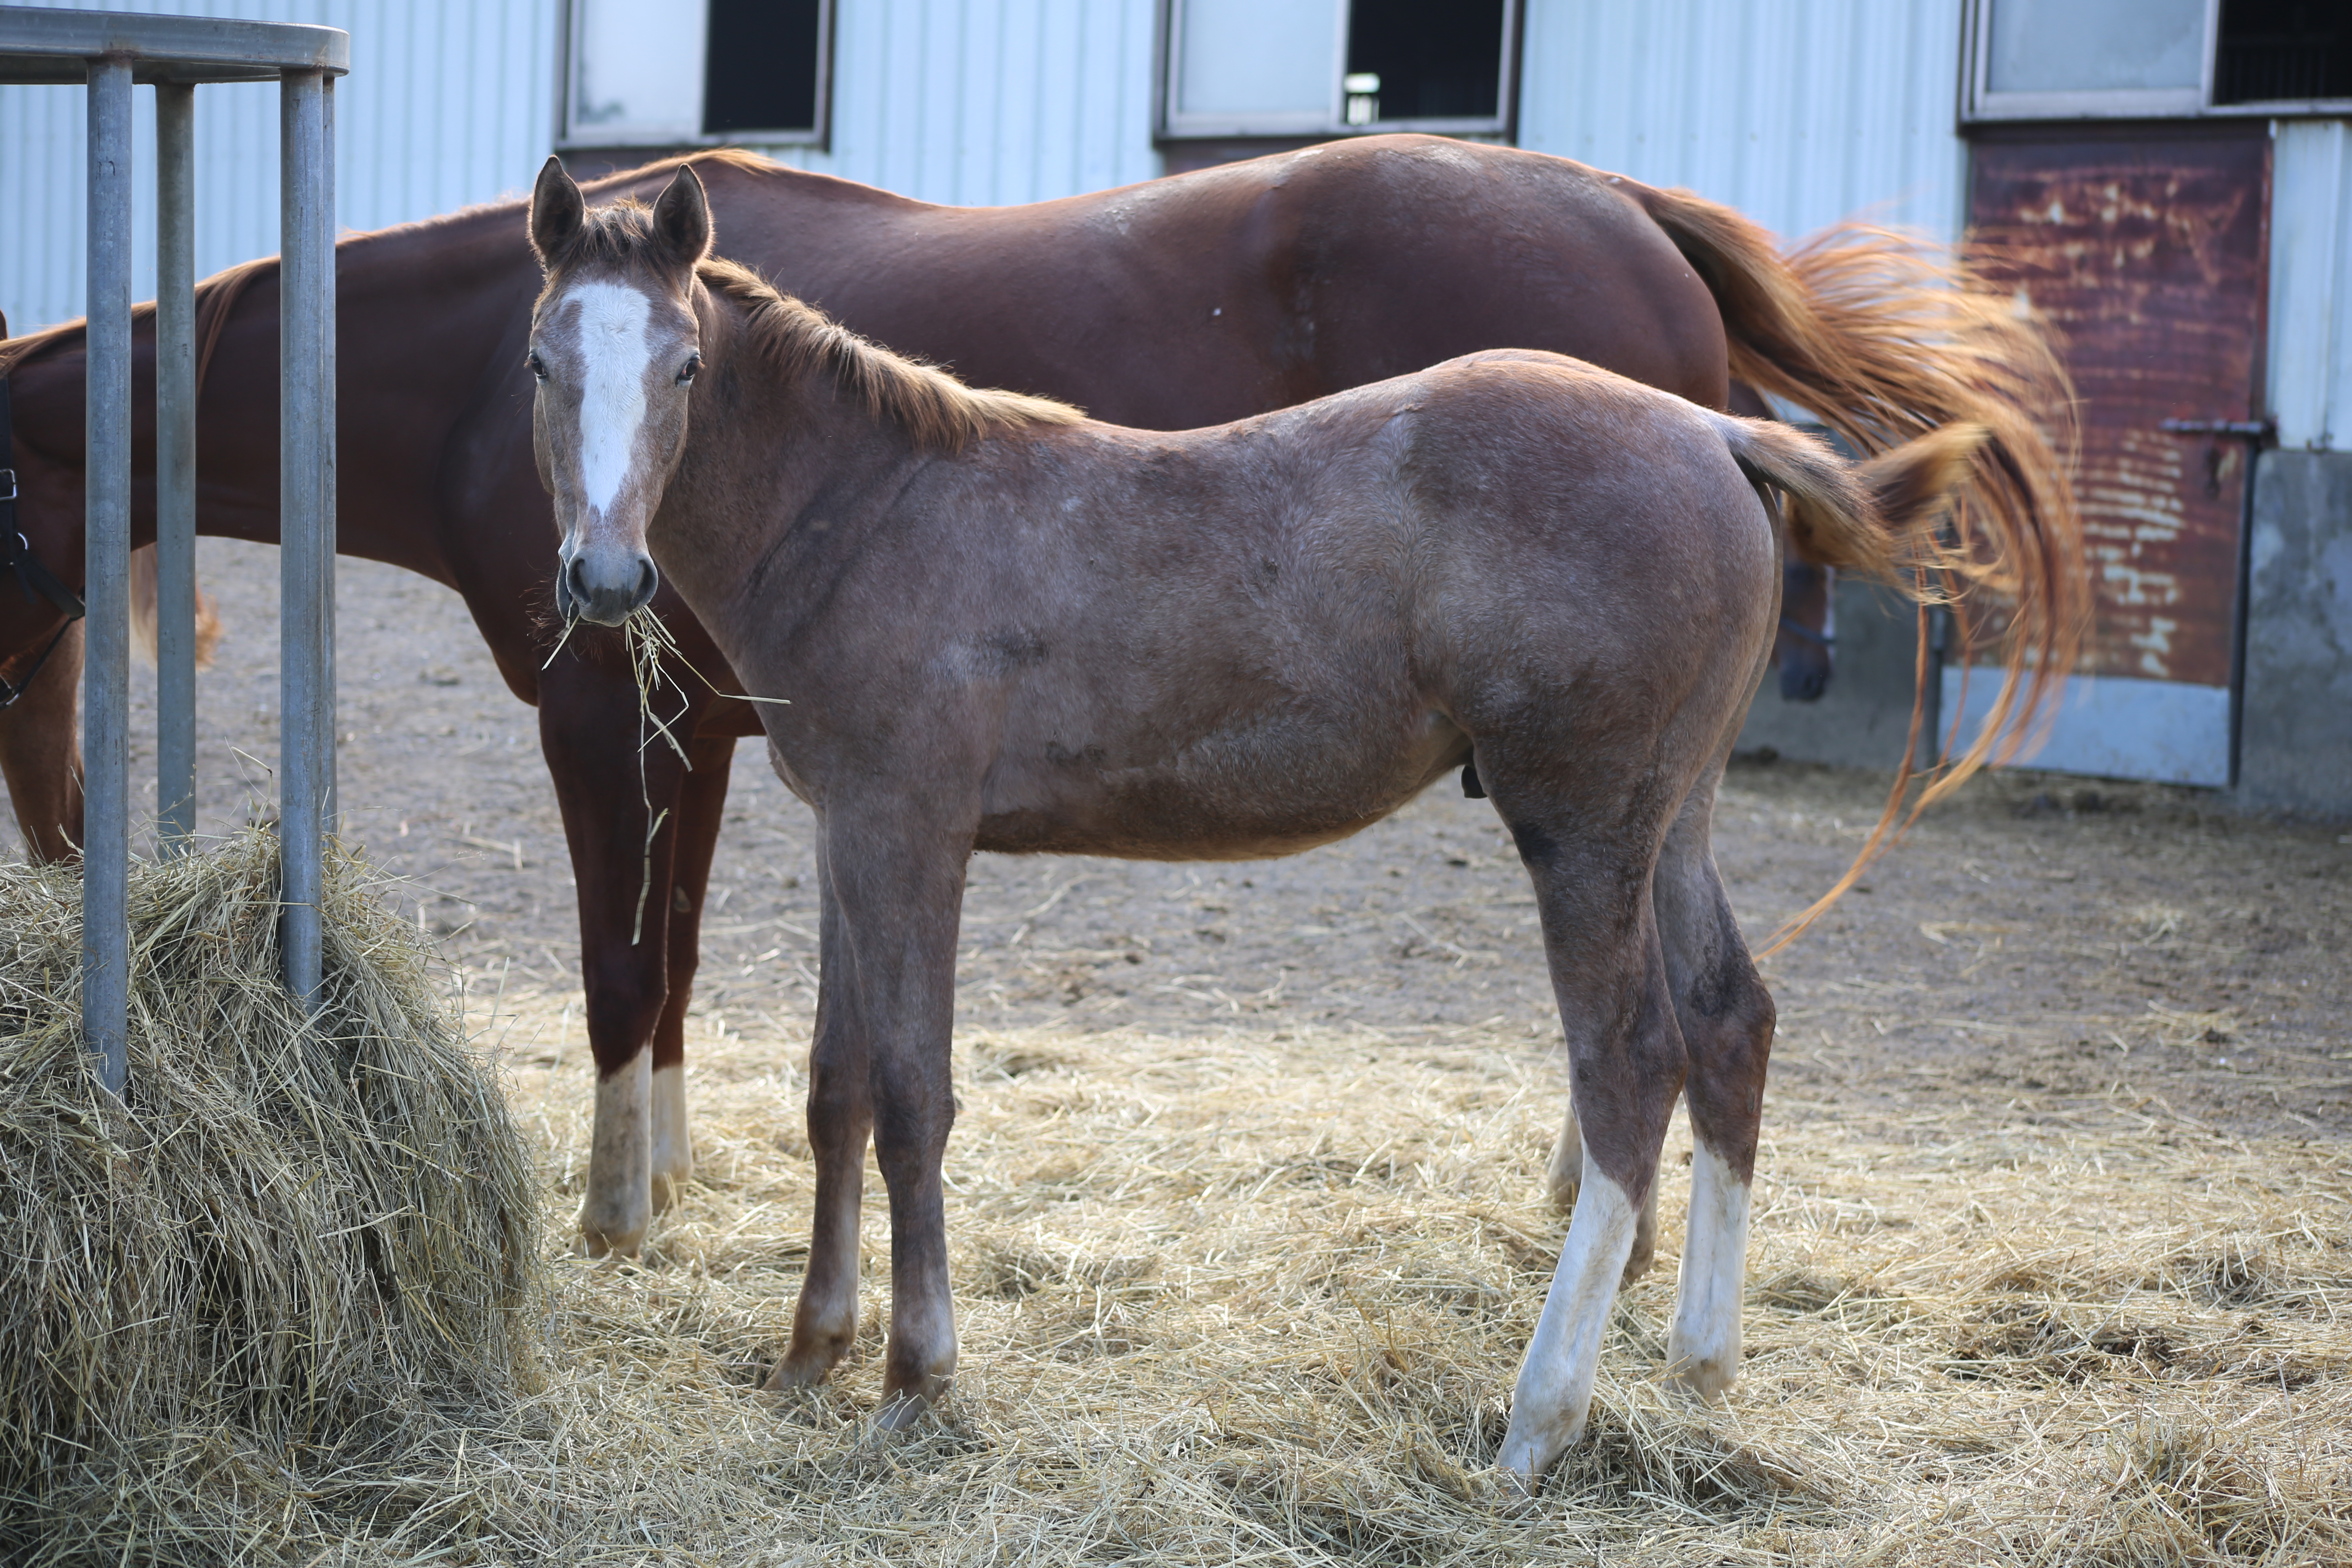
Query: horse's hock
[[292, 1231]]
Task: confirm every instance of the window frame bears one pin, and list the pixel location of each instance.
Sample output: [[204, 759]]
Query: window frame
[[1981, 105], [1170, 125], [570, 139]]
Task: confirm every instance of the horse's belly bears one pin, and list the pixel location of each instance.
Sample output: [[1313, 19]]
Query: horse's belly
[[1215, 803]]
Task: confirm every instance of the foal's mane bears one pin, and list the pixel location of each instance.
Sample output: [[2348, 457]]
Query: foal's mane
[[938, 412]]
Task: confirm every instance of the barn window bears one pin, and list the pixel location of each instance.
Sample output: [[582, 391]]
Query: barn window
[[2067, 59], [2282, 51], [1322, 67], [655, 73]]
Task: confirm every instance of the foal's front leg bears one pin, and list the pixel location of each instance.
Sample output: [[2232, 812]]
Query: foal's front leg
[[895, 899], [840, 1120]]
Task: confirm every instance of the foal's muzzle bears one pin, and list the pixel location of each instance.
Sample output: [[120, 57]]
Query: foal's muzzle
[[608, 595]]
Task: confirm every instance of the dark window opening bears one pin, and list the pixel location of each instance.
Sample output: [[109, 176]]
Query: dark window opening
[[2278, 50], [1408, 59], [761, 67]]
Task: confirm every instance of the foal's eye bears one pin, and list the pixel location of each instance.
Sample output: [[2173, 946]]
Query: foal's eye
[[538, 365], [685, 372]]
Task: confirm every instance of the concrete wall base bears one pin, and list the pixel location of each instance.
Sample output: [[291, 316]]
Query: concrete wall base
[[2295, 719]]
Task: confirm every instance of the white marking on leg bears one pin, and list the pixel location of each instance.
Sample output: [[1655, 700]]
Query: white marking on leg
[[618, 1207], [673, 1159], [1555, 1386], [1704, 1348], [613, 356]]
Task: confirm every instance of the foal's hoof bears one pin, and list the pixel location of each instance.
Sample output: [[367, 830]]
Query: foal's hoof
[[798, 1370], [1563, 1195], [901, 1412], [618, 1241], [668, 1187]]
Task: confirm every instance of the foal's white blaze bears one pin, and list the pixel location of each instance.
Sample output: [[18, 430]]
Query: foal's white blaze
[[614, 354], [673, 1160], [1704, 1349], [618, 1207], [1555, 1387]]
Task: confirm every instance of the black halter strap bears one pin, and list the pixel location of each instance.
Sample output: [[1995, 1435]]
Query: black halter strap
[[1803, 633], [16, 558]]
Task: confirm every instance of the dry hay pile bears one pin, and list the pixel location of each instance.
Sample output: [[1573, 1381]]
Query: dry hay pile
[[1261, 1301], [296, 1246]]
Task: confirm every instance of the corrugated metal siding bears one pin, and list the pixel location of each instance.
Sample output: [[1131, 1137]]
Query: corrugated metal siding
[[987, 103], [448, 103], [1798, 112], [2311, 284]]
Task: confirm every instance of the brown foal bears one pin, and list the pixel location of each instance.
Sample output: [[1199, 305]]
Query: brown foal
[[987, 622]]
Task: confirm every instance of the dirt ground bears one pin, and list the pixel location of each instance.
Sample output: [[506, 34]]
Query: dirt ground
[[2040, 947]]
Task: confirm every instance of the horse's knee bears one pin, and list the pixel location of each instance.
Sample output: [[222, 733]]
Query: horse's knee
[[623, 1007]]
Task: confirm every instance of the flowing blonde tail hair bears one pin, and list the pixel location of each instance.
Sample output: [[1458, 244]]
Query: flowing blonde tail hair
[[1885, 337]]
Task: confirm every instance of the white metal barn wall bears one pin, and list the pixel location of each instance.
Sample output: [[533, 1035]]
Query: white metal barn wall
[[2311, 284], [448, 103], [987, 103], [1798, 112]]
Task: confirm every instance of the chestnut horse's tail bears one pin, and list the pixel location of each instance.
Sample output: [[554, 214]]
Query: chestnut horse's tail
[[1883, 338], [142, 612]]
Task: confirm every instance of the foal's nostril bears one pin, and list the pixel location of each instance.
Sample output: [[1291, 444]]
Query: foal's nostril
[[648, 579], [573, 586]]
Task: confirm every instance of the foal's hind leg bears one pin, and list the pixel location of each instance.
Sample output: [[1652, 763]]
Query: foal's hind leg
[[1727, 1018], [1608, 975], [1566, 1174]]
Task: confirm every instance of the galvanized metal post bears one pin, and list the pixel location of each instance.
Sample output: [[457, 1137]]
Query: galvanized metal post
[[105, 683], [175, 467], [305, 247], [327, 703]]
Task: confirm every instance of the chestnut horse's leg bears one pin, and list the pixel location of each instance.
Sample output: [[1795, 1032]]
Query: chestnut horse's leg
[[840, 1120], [40, 750], [894, 902], [1727, 1016], [1592, 876], [581, 708], [701, 806]]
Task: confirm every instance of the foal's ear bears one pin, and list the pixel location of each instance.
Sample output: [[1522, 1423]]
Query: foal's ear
[[682, 219], [557, 213]]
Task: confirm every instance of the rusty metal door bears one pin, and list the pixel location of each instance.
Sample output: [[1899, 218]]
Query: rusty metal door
[[2147, 246]]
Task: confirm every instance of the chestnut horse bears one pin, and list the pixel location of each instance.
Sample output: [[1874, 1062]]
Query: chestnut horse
[[1182, 302], [981, 621]]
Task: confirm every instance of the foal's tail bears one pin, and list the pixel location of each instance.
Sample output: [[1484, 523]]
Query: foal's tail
[[1878, 519], [1883, 338], [1882, 519]]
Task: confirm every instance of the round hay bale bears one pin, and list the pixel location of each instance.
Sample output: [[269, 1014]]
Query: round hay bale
[[294, 1233]]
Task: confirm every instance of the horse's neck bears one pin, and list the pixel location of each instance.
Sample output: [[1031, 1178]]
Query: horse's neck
[[422, 315], [774, 478]]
